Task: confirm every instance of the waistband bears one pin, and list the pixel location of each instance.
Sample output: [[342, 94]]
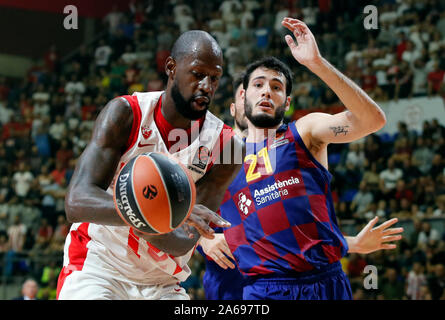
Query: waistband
[[300, 277]]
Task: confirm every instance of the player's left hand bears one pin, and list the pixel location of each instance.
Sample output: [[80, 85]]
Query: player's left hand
[[305, 51], [371, 239]]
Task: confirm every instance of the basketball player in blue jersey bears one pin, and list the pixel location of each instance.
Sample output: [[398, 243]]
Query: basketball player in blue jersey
[[222, 280], [284, 233]]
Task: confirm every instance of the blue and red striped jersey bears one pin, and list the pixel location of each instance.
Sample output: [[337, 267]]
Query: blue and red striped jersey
[[281, 209]]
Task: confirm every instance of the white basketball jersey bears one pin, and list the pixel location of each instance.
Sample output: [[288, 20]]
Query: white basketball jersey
[[122, 253]]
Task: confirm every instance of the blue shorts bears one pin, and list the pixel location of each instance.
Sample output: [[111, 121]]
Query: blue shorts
[[330, 283], [222, 284]]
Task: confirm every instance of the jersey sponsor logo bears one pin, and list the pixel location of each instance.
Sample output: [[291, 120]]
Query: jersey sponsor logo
[[195, 170], [201, 157], [244, 203], [141, 145], [146, 132], [150, 192], [279, 140], [274, 191]]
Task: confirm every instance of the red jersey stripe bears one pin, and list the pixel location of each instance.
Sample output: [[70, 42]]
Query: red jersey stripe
[[137, 116], [77, 253]]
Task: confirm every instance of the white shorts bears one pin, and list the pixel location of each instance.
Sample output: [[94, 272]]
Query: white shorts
[[81, 285]]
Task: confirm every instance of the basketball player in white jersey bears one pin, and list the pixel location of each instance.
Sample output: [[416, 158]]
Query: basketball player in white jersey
[[103, 257]]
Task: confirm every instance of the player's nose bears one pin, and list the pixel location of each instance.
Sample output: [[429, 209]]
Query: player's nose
[[266, 92], [205, 84]]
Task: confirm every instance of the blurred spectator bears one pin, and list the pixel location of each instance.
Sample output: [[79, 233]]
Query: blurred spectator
[[21, 180], [373, 211], [61, 231], [113, 19], [48, 292], [44, 233], [102, 54], [435, 79], [29, 290], [356, 266], [16, 235], [436, 282], [390, 175], [52, 59], [428, 234], [423, 155], [362, 199], [58, 128], [184, 19], [391, 286], [415, 281], [64, 154]]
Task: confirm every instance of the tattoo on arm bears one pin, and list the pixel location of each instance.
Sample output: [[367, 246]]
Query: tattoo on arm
[[339, 130]]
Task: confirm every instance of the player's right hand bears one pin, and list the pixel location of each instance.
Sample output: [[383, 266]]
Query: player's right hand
[[200, 218]]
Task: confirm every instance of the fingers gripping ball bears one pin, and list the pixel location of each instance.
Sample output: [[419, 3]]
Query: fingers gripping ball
[[154, 193]]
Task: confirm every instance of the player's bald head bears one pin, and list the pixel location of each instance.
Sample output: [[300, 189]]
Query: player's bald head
[[194, 42]]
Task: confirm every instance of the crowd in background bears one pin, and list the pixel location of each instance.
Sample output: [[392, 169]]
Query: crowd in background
[[46, 120]]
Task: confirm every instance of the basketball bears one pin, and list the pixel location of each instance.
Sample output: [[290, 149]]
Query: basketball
[[154, 193]]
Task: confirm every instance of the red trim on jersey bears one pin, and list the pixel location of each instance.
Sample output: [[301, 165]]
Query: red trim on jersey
[[177, 270], [133, 242], [225, 136], [77, 253], [137, 116], [165, 127]]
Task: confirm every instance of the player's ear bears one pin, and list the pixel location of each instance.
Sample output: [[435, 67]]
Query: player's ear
[[288, 99], [242, 94], [232, 109], [170, 67]]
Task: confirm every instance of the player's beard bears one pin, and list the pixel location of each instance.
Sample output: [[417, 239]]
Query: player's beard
[[184, 107], [264, 120], [241, 122]]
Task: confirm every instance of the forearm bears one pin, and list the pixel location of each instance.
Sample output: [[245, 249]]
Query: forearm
[[92, 204], [352, 96], [352, 244], [176, 243]]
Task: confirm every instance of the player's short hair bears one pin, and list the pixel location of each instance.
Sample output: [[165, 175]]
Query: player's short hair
[[237, 81], [270, 63], [184, 44]]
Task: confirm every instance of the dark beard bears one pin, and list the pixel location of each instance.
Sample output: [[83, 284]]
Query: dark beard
[[264, 120], [184, 107]]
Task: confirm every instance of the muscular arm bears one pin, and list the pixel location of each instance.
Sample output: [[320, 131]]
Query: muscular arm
[[362, 118], [87, 199]]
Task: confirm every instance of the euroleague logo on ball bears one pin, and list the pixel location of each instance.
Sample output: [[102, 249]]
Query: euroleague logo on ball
[[150, 192]]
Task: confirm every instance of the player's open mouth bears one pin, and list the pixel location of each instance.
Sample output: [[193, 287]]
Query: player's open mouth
[[201, 102], [265, 105]]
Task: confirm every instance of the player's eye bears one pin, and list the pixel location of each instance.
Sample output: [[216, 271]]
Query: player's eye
[[198, 74]]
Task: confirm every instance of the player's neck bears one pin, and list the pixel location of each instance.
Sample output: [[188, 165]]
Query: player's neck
[[239, 132], [171, 115], [256, 134]]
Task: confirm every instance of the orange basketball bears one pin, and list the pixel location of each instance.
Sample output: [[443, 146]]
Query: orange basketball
[[154, 193]]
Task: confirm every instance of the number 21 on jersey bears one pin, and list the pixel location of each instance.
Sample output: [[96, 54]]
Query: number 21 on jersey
[[253, 158]]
